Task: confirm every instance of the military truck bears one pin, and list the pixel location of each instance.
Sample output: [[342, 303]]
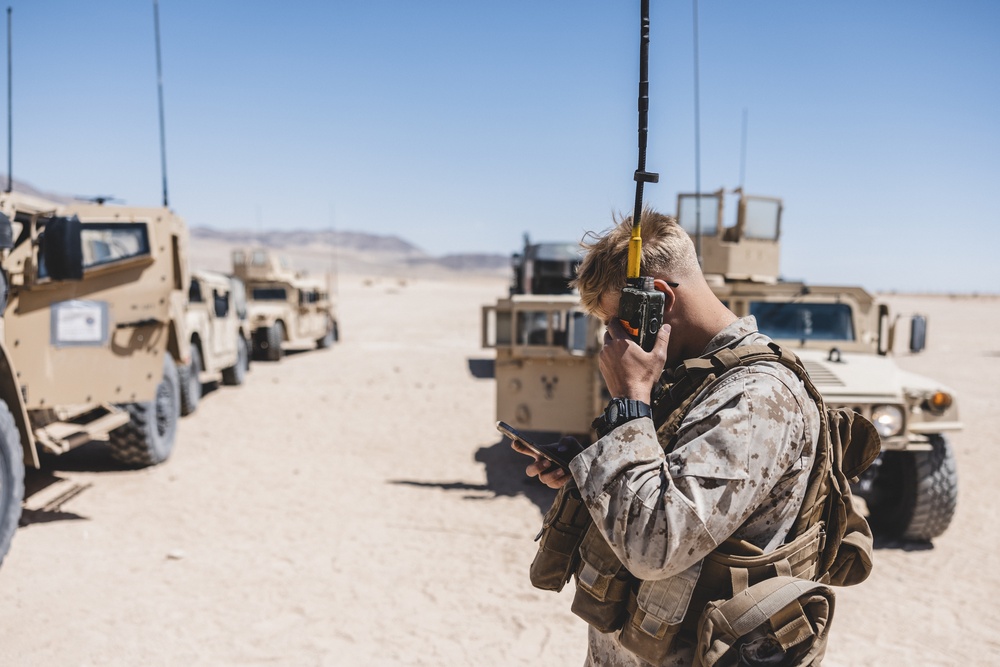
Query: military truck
[[287, 309], [845, 338], [93, 303], [544, 268], [218, 330]]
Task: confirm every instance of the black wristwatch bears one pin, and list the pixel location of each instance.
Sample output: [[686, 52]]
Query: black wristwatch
[[618, 412]]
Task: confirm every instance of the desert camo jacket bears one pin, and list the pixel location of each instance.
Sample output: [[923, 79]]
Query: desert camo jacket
[[740, 468]]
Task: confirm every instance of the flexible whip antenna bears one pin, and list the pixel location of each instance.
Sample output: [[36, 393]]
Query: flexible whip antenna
[[159, 88], [641, 175], [10, 107]]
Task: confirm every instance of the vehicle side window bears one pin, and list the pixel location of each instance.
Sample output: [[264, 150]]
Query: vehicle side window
[[220, 302], [533, 327], [194, 292], [105, 243]]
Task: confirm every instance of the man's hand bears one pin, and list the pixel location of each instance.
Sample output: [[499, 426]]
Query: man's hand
[[547, 472], [628, 370]]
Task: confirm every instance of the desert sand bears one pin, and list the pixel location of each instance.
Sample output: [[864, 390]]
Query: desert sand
[[355, 506]]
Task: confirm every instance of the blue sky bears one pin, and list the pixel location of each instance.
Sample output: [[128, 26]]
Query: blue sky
[[460, 125]]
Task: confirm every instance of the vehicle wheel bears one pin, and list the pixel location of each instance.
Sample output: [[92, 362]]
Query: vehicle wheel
[[149, 437], [915, 493], [328, 338], [190, 384], [274, 336], [11, 478], [235, 374]]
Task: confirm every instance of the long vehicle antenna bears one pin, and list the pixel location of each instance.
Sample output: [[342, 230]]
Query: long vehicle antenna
[[641, 175], [697, 138], [159, 84], [10, 106], [743, 151]]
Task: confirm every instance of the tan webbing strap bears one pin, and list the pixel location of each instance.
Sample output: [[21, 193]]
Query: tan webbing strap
[[740, 578], [756, 605]]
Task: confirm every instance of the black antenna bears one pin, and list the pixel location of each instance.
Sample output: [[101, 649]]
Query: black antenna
[[159, 84], [743, 151], [697, 139], [641, 175], [10, 107]]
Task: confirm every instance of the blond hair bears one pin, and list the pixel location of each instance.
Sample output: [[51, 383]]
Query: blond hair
[[667, 252]]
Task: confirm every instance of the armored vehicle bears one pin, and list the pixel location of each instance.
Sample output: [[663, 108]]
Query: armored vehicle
[[287, 309], [91, 344], [544, 268], [845, 338], [218, 329]]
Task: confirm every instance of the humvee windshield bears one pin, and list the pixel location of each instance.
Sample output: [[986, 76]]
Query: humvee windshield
[[269, 294], [803, 321]]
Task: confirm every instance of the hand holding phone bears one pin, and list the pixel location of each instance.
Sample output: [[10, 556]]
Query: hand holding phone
[[559, 453]]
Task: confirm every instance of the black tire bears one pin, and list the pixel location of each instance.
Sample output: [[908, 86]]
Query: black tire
[[328, 338], [11, 478], [149, 437], [190, 384], [273, 337], [915, 494], [237, 373]]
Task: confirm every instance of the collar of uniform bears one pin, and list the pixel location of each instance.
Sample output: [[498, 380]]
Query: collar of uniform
[[728, 337], [732, 335]]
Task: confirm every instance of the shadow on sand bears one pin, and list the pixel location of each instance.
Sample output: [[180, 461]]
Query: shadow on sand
[[482, 369], [504, 477]]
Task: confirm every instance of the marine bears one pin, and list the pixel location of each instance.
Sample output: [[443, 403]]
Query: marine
[[710, 476]]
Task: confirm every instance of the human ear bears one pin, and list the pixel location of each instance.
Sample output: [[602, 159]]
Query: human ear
[[668, 294]]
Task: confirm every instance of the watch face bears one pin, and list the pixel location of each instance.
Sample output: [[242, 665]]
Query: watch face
[[613, 412]]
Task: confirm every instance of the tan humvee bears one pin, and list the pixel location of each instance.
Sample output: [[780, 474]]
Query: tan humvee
[[219, 333], [90, 342], [843, 336], [287, 309]]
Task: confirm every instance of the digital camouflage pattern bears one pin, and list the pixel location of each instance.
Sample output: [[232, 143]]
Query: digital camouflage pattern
[[740, 468]]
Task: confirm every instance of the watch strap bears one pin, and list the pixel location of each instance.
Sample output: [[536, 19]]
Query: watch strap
[[620, 411]]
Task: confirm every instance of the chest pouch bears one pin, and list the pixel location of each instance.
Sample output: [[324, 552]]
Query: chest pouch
[[562, 532], [655, 612], [602, 584]]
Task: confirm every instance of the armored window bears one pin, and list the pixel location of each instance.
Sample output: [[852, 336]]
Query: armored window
[[761, 218], [220, 302], [804, 321], [269, 294], [107, 243], [194, 292], [699, 214]]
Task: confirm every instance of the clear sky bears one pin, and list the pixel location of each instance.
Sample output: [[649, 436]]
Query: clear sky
[[459, 125]]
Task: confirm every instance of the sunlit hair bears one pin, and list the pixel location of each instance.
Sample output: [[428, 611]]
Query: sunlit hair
[[667, 252]]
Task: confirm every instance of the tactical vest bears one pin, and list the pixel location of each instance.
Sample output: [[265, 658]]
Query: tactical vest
[[829, 543]]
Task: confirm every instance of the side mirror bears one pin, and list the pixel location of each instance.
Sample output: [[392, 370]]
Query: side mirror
[[884, 330], [918, 333], [61, 249]]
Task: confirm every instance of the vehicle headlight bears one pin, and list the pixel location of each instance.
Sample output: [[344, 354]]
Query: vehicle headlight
[[938, 402], [888, 419]]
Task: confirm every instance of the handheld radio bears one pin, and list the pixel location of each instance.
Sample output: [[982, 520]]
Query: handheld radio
[[640, 309]]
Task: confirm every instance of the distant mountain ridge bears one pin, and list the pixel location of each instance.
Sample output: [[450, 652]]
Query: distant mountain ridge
[[351, 248]]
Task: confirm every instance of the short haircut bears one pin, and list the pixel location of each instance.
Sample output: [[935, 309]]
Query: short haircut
[[667, 252]]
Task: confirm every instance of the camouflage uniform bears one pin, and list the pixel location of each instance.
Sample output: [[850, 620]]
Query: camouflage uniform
[[740, 468]]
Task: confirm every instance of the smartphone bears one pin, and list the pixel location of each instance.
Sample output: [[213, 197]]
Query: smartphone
[[559, 453]]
